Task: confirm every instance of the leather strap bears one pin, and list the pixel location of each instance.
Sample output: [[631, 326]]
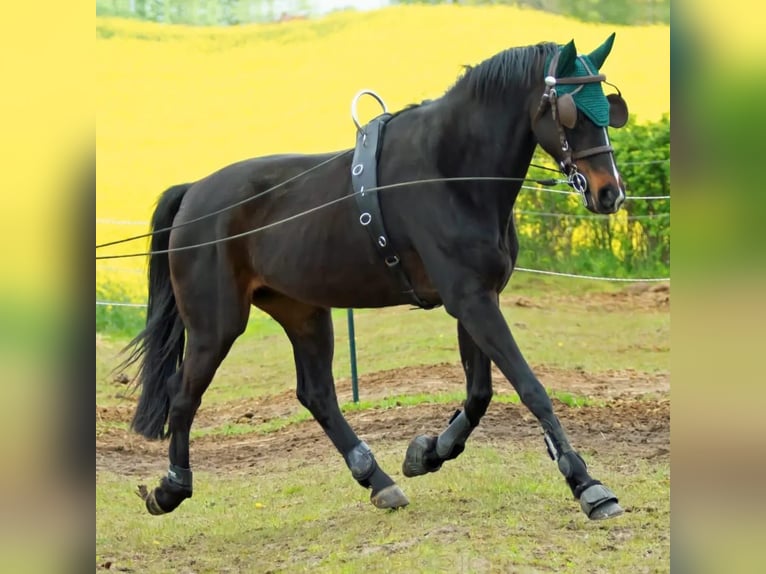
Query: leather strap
[[592, 79], [592, 151], [364, 180], [364, 177]]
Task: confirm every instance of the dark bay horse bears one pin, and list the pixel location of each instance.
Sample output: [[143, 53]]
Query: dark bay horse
[[453, 243]]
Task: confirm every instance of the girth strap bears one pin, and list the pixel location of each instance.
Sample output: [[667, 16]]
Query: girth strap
[[364, 177]]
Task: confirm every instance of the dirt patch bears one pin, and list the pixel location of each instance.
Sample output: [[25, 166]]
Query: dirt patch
[[632, 421], [426, 379], [635, 296], [639, 296], [449, 377]]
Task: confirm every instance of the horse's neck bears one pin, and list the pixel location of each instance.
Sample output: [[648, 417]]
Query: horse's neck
[[487, 140]]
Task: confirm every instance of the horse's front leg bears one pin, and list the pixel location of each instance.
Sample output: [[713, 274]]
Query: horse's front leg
[[427, 453], [482, 319]]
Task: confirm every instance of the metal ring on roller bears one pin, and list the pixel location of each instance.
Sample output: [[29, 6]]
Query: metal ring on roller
[[354, 115]]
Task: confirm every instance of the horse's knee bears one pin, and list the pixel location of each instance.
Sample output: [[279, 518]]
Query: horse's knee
[[477, 403], [306, 398]]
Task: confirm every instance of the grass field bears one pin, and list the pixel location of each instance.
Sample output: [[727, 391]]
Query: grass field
[[272, 495], [501, 510]]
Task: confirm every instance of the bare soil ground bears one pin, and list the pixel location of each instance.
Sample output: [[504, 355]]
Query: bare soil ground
[[634, 421], [631, 419]]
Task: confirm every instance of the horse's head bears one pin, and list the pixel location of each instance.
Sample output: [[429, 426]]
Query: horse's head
[[570, 123]]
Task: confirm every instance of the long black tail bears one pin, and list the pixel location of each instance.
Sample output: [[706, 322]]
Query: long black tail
[[159, 347]]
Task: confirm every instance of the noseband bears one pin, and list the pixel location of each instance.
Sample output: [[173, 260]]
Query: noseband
[[564, 113]]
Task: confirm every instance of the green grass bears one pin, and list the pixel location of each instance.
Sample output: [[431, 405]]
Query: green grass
[[501, 507], [496, 510]]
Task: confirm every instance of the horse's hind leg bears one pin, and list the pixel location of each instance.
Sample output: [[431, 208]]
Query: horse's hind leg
[[310, 331], [211, 330], [427, 453]]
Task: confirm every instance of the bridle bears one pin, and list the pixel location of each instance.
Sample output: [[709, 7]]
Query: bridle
[[564, 112]]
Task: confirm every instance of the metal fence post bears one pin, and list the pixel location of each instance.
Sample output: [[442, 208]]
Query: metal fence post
[[352, 355]]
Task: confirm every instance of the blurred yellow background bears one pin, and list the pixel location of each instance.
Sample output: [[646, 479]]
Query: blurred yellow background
[[175, 103]]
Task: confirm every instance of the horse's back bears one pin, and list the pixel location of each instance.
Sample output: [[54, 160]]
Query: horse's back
[[244, 179], [293, 234]]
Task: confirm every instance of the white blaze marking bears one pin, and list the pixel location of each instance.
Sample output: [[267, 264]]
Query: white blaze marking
[[621, 197]]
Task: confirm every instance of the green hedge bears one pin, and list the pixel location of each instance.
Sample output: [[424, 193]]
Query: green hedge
[[116, 319], [576, 241]]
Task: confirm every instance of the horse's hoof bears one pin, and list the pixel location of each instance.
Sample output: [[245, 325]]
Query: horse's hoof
[[150, 500], [415, 462], [390, 497], [608, 509], [599, 503]]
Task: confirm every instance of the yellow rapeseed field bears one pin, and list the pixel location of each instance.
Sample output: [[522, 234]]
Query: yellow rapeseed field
[[175, 103]]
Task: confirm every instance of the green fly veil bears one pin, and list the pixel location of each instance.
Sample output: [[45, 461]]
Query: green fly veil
[[587, 95]]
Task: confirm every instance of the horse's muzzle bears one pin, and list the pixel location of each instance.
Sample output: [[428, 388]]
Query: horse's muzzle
[[610, 198]]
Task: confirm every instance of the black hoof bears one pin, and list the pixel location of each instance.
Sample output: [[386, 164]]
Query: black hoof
[[599, 503], [416, 460], [390, 497], [164, 498], [150, 499], [608, 509]]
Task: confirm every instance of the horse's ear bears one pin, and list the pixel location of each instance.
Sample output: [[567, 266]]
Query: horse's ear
[[598, 55], [567, 57]]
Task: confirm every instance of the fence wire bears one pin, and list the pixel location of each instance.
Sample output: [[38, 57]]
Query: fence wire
[[111, 221]]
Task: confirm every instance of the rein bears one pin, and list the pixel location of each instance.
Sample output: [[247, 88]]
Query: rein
[[551, 181]]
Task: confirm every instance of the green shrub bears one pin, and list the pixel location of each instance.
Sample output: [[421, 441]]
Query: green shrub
[[558, 234], [116, 319]]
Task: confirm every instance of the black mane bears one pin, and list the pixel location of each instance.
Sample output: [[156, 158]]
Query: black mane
[[519, 67]]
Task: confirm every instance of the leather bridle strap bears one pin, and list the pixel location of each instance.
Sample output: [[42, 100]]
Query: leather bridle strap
[[550, 97], [592, 151], [592, 79]]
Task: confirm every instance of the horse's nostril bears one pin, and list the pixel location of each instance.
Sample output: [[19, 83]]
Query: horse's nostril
[[608, 195]]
